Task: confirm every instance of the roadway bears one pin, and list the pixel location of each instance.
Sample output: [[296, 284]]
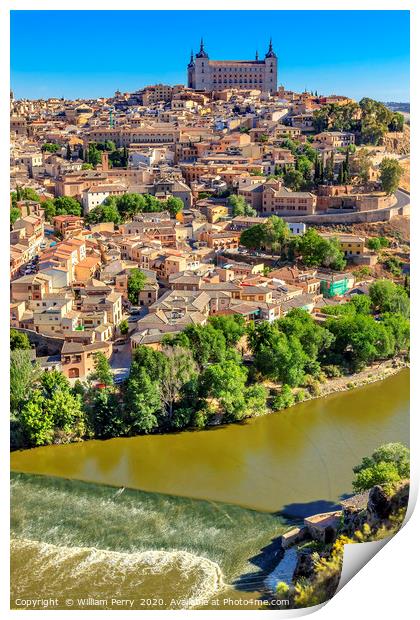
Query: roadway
[[403, 198]]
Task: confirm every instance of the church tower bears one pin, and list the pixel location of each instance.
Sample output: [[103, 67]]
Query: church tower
[[270, 70], [202, 70], [191, 71]]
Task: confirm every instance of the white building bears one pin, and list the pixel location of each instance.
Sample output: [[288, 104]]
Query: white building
[[296, 228], [96, 194]]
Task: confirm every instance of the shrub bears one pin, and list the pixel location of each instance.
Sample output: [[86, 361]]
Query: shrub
[[332, 371], [200, 418], [282, 590], [313, 386], [388, 464], [300, 396], [284, 399]]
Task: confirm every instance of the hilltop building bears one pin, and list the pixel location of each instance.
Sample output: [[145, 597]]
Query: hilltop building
[[210, 75]]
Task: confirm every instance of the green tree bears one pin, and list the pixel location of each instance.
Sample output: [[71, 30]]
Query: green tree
[[102, 371], [374, 244], [24, 193], [276, 233], [67, 414], [329, 168], [397, 123], [387, 296], [87, 166], [49, 209], [232, 326], [136, 283], [276, 355], [317, 251], [174, 205], [143, 402], [240, 207], [208, 345], [361, 303], [123, 327], [152, 361], [129, 204], [68, 151], [52, 382], [360, 165], [104, 413], [284, 399], [226, 381], [253, 238], [93, 155], [179, 369], [19, 340], [294, 179], [315, 340], [37, 421], [400, 328], [50, 147], [52, 412], [104, 213], [66, 205], [359, 340], [388, 464], [14, 215], [23, 376], [390, 175]]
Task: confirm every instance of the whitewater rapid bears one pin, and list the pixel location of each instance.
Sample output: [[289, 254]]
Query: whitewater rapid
[[175, 579]]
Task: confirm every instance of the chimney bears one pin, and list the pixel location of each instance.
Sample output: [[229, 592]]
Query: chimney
[[104, 158]]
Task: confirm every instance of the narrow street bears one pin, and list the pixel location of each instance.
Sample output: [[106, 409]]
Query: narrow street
[[120, 361]]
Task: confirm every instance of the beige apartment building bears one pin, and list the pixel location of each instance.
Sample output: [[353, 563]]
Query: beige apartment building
[[283, 201], [138, 135], [334, 139], [78, 359]]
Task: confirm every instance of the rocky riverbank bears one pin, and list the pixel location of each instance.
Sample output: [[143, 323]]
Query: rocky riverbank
[[370, 374], [375, 372], [317, 546]]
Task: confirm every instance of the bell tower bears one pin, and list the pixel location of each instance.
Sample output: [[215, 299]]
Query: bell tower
[[270, 70], [202, 71], [191, 72]]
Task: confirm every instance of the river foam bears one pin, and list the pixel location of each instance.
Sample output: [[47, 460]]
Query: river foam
[[166, 579]]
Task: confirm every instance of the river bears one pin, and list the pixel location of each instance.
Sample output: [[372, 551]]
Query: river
[[239, 481]]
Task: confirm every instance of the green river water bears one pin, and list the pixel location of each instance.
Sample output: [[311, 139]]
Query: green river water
[[188, 519]]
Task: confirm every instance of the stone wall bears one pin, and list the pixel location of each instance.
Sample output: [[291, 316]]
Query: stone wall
[[355, 217], [44, 345]]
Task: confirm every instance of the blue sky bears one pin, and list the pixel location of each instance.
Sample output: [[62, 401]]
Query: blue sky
[[93, 53]]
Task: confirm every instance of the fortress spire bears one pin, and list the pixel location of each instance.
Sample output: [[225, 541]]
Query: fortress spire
[[202, 53], [270, 53]]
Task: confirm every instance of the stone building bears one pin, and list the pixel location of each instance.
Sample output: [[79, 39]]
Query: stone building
[[212, 75]]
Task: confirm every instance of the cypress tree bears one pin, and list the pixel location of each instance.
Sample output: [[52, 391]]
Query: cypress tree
[[330, 169], [321, 171], [341, 174], [316, 170]]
